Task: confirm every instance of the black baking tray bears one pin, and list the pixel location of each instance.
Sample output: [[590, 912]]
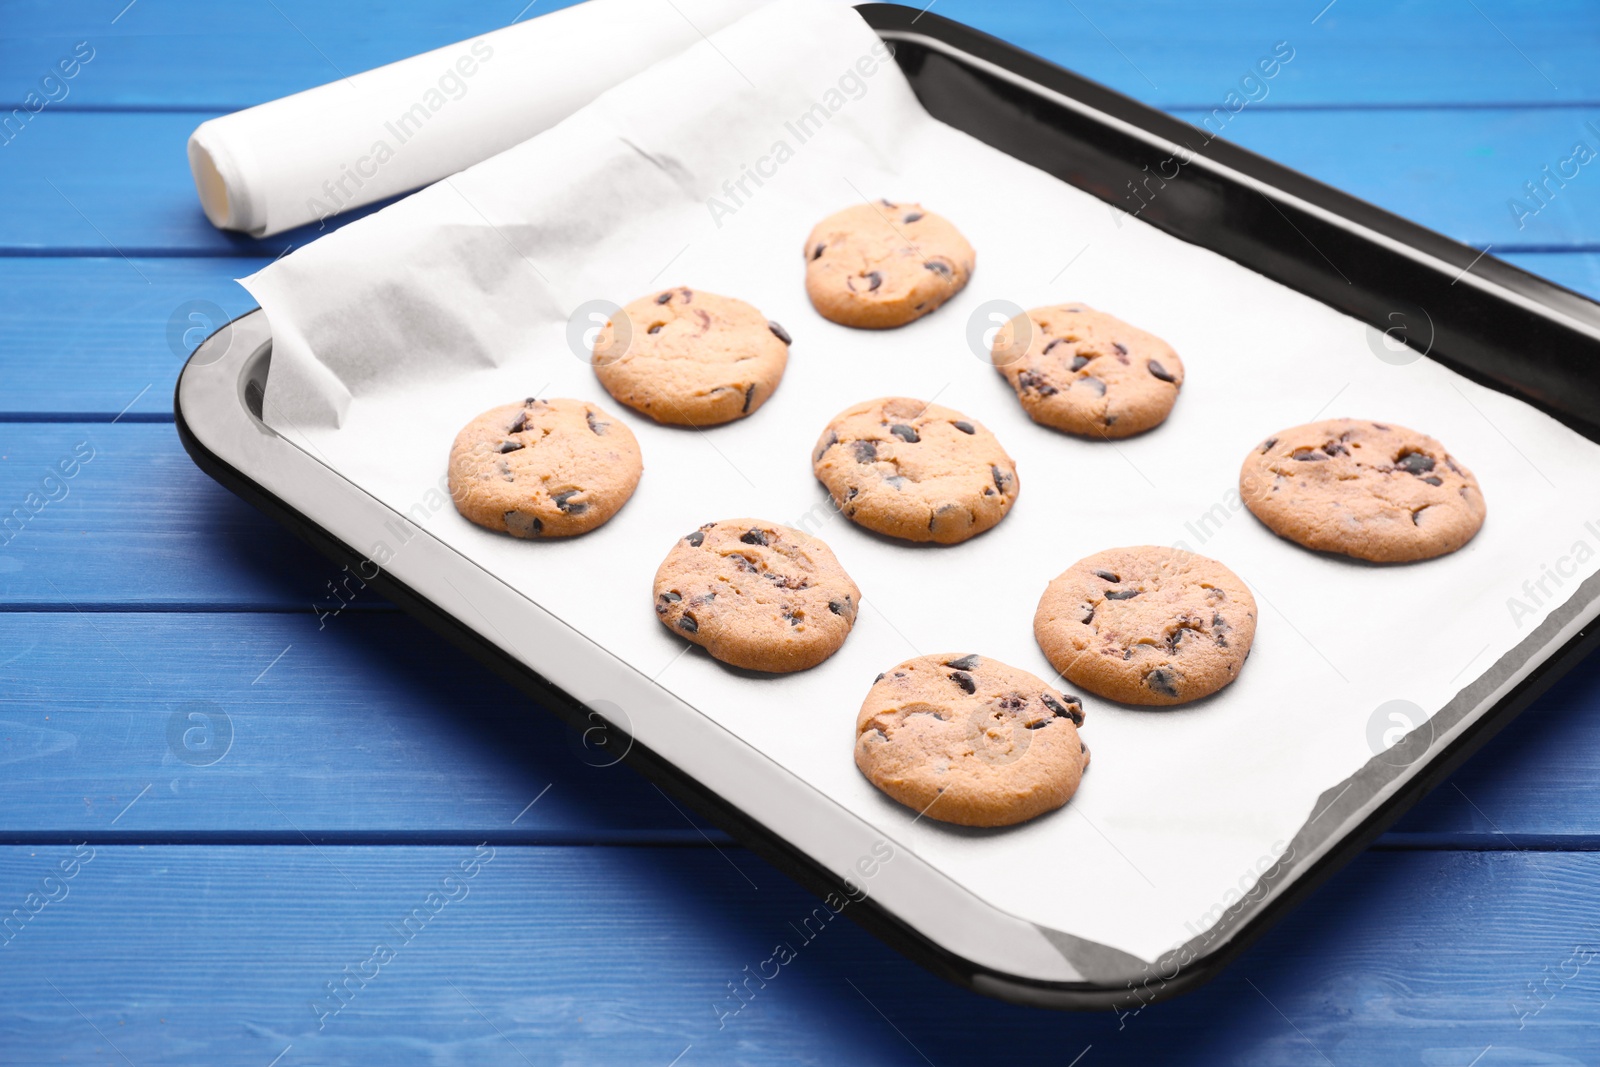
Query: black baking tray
[[1507, 329]]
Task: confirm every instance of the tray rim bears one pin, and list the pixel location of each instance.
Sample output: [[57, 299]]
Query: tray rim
[[1424, 773]]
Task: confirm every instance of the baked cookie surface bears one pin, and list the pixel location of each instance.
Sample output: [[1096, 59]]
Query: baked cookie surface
[[884, 264], [913, 470], [691, 358], [1147, 625], [543, 468], [757, 595], [1372, 490], [1086, 372], [967, 739]]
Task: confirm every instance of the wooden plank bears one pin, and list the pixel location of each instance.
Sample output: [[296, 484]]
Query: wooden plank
[[363, 726], [1166, 52], [273, 726], [625, 956], [118, 516], [86, 336], [1453, 170], [92, 338]]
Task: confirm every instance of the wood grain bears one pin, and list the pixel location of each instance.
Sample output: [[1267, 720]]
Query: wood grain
[[1165, 52], [624, 956]]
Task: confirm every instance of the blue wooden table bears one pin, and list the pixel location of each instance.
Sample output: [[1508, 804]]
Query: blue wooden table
[[239, 827]]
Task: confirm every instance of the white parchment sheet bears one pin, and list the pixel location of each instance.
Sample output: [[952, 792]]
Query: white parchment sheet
[[394, 331]]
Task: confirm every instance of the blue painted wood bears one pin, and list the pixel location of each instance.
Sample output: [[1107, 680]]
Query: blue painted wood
[[363, 726], [1165, 52], [625, 956], [258, 727], [95, 338], [1467, 929], [116, 515]]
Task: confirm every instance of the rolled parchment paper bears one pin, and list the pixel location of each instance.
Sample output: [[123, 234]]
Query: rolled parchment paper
[[373, 135]]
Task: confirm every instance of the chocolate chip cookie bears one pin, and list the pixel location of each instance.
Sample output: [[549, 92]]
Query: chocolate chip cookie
[[757, 595], [1085, 372], [1147, 625], [916, 471], [543, 468], [1372, 490], [884, 264], [691, 358], [969, 740]]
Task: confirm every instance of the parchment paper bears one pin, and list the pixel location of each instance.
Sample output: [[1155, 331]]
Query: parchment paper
[[393, 332]]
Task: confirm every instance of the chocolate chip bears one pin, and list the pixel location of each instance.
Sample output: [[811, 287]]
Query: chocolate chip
[[871, 276], [878, 679], [938, 266], [866, 451], [1309, 455], [1072, 711], [837, 607], [1157, 370], [1334, 448], [1122, 350], [905, 433], [1095, 385], [1031, 380], [505, 471], [596, 426], [1000, 478], [1079, 362], [523, 525], [688, 625], [1415, 462], [520, 424], [1121, 594], [1434, 480], [749, 395], [780, 333], [531, 400], [671, 598], [913, 217], [510, 446], [964, 680], [1107, 575], [794, 619], [754, 537], [1052, 344], [1379, 426], [964, 427], [696, 539], [564, 502], [816, 253], [1266, 446], [1040, 725], [744, 564], [656, 328], [1088, 614], [965, 663], [896, 480], [1162, 681], [664, 297], [688, 295]]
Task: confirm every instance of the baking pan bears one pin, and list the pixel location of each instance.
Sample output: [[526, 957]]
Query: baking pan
[[1502, 327]]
